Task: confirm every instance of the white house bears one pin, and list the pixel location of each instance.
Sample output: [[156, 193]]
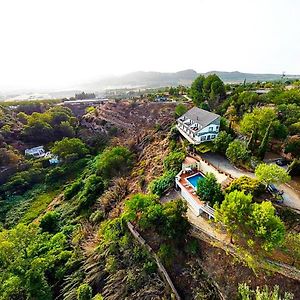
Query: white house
[[37, 152], [186, 181], [198, 125]]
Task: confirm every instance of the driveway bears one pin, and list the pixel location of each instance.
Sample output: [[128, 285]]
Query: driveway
[[291, 196]]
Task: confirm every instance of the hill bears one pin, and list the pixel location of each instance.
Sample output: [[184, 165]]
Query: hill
[[143, 79]]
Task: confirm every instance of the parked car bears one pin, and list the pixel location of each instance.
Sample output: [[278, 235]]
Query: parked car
[[273, 190], [281, 162]]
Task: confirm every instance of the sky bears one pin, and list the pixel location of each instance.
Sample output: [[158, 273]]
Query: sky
[[61, 43]]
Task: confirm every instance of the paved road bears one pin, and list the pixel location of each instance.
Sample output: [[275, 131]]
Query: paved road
[[291, 196]]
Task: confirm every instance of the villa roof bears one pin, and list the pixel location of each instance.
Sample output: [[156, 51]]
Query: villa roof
[[200, 116]]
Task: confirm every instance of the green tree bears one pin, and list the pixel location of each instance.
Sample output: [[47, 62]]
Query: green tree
[[26, 256], [292, 246], [264, 143], [266, 225], [222, 141], [237, 152], [196, 90], [174, 161], [50, 222], [114, 161], [234, 210], [84, 292], [161, 184], [292, 146], [271, 173], [257, 122], [69, 149], [209, 190], [180, 109], [246, 184]]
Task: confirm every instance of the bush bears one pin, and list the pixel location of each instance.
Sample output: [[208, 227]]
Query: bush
[[69, 149], [160, 185], [54, 175], [114, 161], [166, 254], [20, 182], [97, 216], [84, 292], [222, 141], [237, 152], [50, 222], [209, 190], [180, 109], [93, 188], [247, 185], [73, 189], [192, 247], [174, 161]]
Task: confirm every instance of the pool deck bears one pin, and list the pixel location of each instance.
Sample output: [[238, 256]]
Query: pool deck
[[188, 187]]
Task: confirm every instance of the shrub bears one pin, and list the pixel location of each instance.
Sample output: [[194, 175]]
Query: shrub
[[114, 161], [247, 185], [50, 222], [73, 189], [84, 292], [69, 149], [54, 175], [180, 109], [166, 254], [174, 161], [237, 152], [209, 190], [20, 182], [97, 216], [161, 184], [192, 247], [93, 188]]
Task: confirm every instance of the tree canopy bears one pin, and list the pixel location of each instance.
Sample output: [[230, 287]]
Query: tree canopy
[[271, 173], [237, 152], [258, 221], [69, 149], [209, 190]]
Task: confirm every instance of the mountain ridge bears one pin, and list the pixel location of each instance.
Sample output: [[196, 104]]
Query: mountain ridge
[[152, 79]]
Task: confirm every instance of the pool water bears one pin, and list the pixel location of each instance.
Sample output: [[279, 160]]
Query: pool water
[[194, 179]]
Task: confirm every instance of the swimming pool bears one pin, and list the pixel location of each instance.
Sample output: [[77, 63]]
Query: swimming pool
[[194, 179]]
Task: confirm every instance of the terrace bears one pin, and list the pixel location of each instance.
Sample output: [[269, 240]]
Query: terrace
[[186, 180]]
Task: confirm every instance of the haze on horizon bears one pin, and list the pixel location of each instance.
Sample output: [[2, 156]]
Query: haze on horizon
[[62, 43]]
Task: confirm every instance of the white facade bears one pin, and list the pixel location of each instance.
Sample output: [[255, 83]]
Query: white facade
[[37, 152], [199, 126]]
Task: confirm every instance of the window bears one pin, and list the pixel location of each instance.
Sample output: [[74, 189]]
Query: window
[[217, 127], [208, 137], [213, 136], [210, 128], [203, 138]]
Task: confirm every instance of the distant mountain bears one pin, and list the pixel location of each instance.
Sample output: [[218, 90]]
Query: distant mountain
[[144, 79], [237, 77], [157, 79]]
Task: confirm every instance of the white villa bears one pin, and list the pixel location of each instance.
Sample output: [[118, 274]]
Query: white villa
[[186, 181], [198, 125], [37, 152]]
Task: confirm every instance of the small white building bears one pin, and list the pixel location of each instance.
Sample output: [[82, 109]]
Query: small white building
[[37, 152], [198, 125]]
